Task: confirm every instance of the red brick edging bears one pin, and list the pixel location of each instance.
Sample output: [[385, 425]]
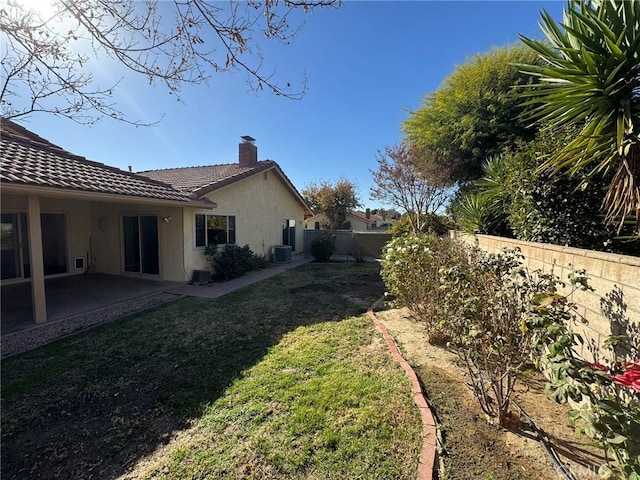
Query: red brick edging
[[426, 464]]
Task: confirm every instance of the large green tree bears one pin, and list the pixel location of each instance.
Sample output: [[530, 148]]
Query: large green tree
[[590, 76], [475, 113]]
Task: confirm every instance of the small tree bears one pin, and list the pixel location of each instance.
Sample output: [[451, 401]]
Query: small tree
[[332, 200], [399, 183], [433, 224], [323, 247]]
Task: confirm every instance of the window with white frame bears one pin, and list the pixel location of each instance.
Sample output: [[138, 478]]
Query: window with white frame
[[215, 229]]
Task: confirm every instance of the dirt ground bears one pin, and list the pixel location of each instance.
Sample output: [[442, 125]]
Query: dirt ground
[[473, 448]]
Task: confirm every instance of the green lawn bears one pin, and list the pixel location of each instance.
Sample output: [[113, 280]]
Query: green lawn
[[285, 379]]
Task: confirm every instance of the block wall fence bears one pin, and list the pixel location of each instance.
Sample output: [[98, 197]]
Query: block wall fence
[[614, 307], [347, 241]]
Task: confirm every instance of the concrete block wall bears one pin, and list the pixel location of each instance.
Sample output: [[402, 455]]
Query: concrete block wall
[[614, 307], [343, 240], [371, 243]]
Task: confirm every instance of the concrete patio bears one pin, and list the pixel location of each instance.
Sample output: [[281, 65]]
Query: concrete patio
[[73, 295], [79, 302]]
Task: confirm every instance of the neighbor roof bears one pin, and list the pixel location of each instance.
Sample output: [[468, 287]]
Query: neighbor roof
[[27, 159], [359, 215], [200, 181]]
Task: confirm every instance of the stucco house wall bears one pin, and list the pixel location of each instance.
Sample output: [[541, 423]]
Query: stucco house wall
[[357, 224], [107, 238], [261, 204], [58, 207], [76, 227], [93, 230]]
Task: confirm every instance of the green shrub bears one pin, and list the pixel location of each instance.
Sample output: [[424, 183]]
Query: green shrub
[[358, 251], [475, 210], [558, 209], [323, 247], [497, 316], [234, 261], [433, 224], [485, 299], [410, 269], [610, 385]]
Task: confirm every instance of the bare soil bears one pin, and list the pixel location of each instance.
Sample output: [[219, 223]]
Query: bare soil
[[472, 447]]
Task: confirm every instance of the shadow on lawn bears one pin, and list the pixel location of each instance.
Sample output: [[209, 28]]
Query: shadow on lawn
[[92, 405]]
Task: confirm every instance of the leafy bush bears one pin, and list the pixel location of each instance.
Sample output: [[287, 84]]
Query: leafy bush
[[358, 251], [434, 224], [548, 208], [323, 247], [610, 384], [515, 197], [475, 213], [485, 301], [410, 269], [497, 316], [234, 261]]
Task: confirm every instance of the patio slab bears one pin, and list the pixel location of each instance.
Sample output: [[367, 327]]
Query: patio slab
[[71, 296], [82, 301]]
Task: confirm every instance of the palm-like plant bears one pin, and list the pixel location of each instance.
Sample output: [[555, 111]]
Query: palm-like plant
[[476, 213], [590, 75]]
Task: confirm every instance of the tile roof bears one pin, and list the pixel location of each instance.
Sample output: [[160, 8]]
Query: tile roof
[[27, 159], [199, 181], [372, 217], [202, 180]]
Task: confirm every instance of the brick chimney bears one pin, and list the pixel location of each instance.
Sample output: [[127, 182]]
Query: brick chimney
[[247, 152], [367, 214]]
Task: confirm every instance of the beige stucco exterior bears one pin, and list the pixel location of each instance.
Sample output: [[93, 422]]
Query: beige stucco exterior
[[107, 235], [93, 231], [261, 204], [90, 229], [77, 224]]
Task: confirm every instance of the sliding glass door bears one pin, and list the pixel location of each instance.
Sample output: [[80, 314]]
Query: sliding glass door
[[141, 248], [14, 242], [54, 243]]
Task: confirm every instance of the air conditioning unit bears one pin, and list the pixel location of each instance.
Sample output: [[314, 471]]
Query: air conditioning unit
[[281, 254], [200, 277]]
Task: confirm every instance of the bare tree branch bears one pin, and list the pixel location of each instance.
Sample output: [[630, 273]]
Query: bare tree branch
[[171, 43], [401, 184]]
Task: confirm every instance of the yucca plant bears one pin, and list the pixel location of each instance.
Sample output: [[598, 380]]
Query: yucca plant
[[493, 182], [590, 76], [476, 213]]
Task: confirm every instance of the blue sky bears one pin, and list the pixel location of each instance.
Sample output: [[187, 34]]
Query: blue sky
[[367, 64]]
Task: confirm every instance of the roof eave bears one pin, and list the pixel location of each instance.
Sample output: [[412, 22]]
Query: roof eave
[[52, 192]]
